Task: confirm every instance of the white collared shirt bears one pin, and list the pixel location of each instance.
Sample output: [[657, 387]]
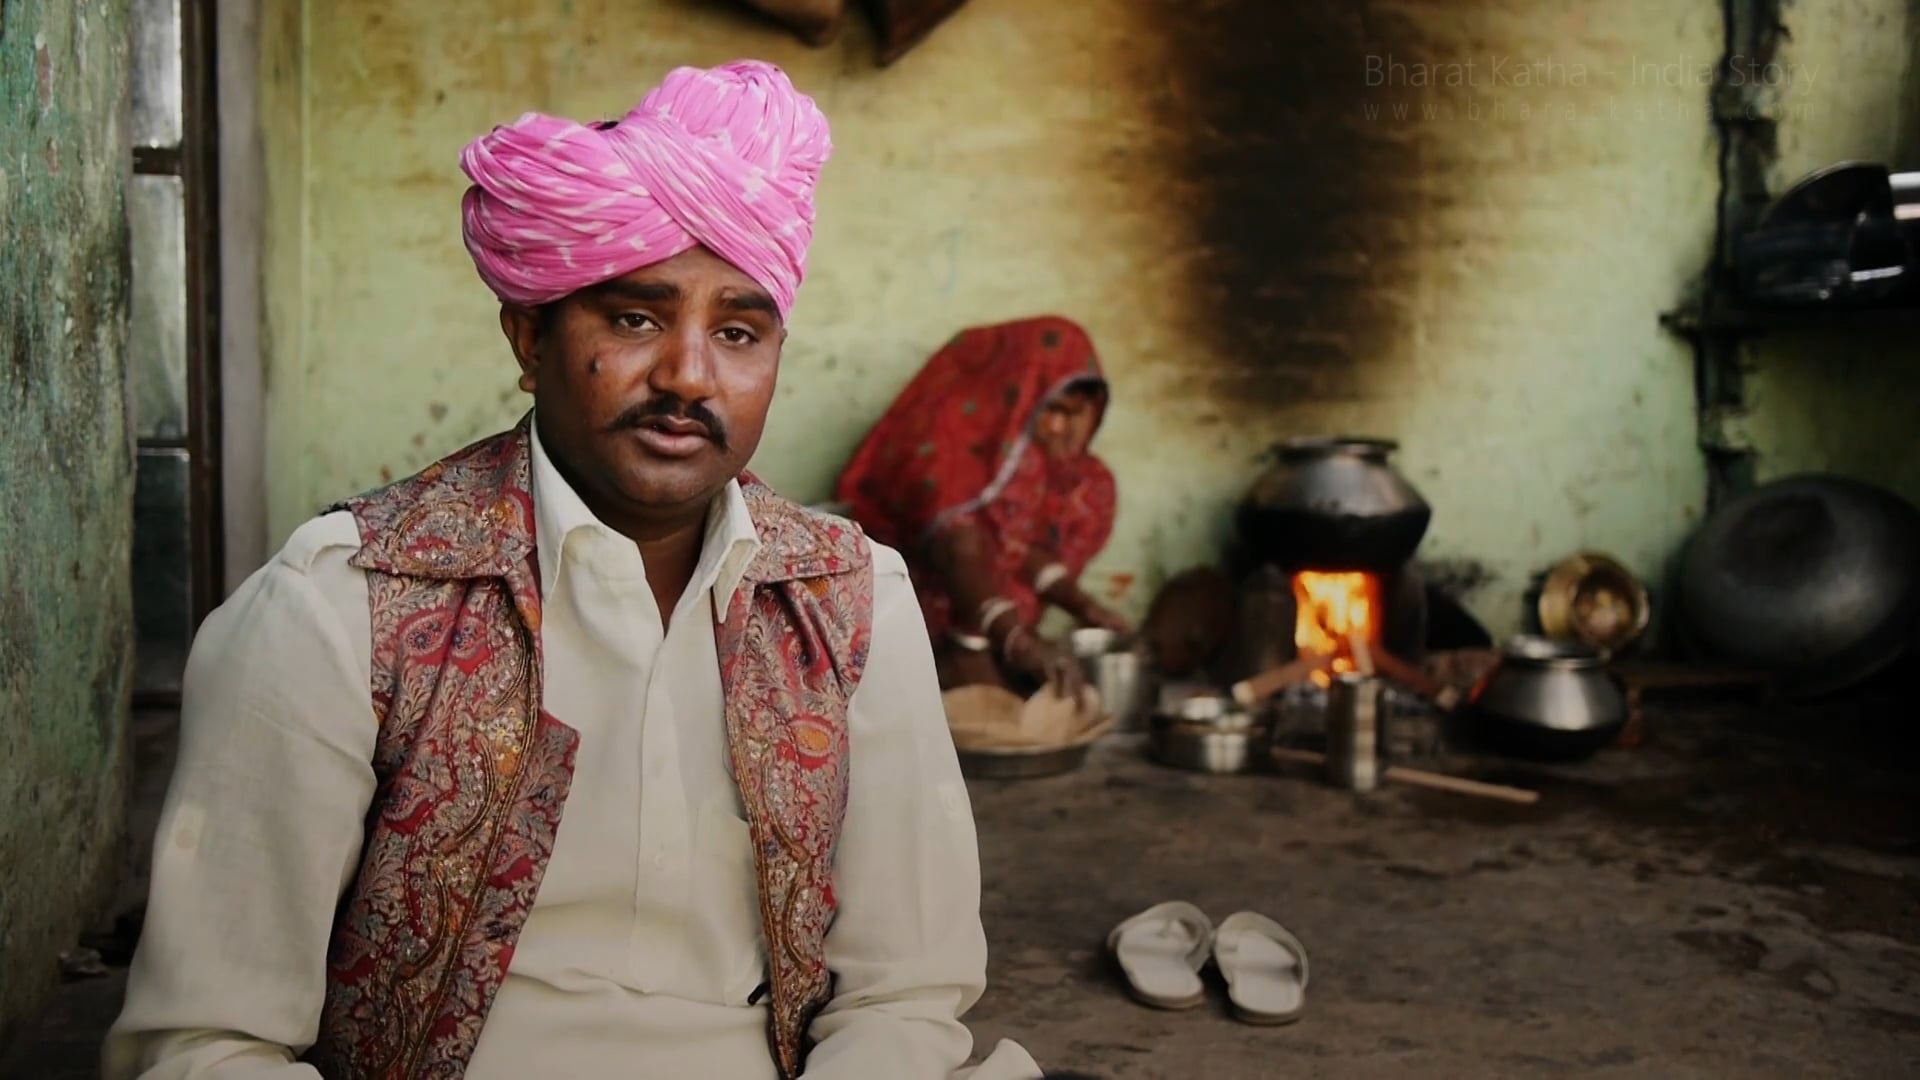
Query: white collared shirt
[[643, 946]]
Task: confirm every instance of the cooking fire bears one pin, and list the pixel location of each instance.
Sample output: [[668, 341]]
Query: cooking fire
[[1337, 616]]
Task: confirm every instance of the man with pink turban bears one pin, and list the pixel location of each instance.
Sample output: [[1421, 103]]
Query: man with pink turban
[[580, 753]]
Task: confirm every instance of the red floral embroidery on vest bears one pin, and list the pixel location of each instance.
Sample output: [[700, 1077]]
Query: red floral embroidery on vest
[[473, 775]]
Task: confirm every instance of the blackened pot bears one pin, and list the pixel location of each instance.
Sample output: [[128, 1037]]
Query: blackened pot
[[1547, 700], [1333, 504], [1815, 579]]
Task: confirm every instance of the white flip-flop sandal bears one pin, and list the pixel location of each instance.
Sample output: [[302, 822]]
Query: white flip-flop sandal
[[1265, 967], [1161, 952]]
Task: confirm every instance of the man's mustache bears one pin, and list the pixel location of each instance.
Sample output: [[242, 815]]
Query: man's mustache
[[670, 406]]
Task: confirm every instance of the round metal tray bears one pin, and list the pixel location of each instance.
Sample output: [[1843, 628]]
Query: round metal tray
[[1022, 764], [1028, 762]]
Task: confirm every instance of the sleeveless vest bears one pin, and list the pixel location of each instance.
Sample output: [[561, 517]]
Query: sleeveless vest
[[473, 773]]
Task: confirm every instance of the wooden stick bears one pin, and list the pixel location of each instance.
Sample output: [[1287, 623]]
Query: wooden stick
[[1460, 786], [1422, 778], [1440, 693], [1253, 690], [1635, 730], [1362, 653]]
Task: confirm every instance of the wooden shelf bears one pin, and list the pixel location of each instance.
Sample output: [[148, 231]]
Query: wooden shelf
[[1730, 319]]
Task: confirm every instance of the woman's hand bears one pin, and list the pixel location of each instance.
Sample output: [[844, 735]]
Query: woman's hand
[[1099, 615], [1026, 651]]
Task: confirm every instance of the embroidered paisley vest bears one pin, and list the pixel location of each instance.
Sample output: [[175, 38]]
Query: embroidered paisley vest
[[473, 775]]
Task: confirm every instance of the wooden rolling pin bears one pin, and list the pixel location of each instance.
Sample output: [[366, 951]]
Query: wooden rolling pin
[[1421, 778], [1255, 689]]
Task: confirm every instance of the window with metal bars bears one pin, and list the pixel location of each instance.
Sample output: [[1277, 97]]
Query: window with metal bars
[[173, 347]]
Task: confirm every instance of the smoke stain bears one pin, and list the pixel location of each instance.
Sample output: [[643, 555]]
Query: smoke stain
[[1302, 209]]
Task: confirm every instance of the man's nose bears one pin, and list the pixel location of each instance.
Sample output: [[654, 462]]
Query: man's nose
[[684, 365]]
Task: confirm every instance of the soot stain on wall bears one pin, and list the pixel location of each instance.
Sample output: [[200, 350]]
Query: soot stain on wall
[[1301, 206]]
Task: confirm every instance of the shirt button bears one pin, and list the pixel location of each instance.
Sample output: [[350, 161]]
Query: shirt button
[[660, 860]]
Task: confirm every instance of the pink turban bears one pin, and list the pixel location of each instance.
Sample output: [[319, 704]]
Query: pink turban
[[727, 158]]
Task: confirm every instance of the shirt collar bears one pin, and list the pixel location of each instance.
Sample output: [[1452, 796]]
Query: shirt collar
[[725, 551]]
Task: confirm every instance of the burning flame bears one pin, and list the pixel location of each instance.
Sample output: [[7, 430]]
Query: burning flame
[[1334, 610]]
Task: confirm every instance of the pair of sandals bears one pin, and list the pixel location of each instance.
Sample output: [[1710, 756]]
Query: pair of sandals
[[1162, 951]]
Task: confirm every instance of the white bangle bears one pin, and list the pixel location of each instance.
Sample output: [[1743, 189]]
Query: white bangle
[[1006, 643], [1050, 575], [992, 609], [976, 643]]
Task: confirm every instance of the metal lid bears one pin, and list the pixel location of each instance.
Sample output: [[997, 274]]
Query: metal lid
[[1321, 446], [1091, 641], [1533, 650], [1213, 712], [1234, 723], [1204, 707]]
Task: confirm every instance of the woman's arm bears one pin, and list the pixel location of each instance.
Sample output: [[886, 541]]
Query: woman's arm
[[963, 555], [1054, 583], [1080, 524]]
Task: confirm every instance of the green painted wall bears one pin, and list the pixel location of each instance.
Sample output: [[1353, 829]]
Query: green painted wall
[[1262, 241], [65, 479], [1843, 402]]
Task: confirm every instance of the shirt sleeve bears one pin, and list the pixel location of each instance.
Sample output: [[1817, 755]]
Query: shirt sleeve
[[907, 951], [261, 828]]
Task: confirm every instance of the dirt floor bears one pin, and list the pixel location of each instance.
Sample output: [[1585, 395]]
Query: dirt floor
[[1740, 896]]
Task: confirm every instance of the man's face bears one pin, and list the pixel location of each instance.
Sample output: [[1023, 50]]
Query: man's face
[[1067, 422], [651, 390]]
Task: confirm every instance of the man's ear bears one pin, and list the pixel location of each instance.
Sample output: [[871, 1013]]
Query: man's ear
[[524, 328]]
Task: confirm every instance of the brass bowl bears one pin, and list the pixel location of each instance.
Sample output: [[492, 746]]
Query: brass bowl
[[1591, 598]]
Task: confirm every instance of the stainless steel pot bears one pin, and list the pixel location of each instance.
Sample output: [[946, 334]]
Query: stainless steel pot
[[1547, 699], [1813, 578], [1217, 712], [1333, 504], [1207, 733], [1198, 748]]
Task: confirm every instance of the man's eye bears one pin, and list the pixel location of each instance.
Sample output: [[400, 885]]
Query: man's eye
[[733, 335], [633, 320]]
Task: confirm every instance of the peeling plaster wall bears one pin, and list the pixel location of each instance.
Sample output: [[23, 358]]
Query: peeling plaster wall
[[66, 480], [1842, 402], [1466, 249]]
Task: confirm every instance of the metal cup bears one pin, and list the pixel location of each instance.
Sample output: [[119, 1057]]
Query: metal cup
[[1121, 679], [1353, 732], [1115, 669]]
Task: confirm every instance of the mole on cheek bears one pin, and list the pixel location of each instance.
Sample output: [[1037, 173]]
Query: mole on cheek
[[593, 367]]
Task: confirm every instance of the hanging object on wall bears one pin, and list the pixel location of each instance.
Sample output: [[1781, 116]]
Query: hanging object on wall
[[1836, 237], [899, 24], [817, 22], [903, 24]]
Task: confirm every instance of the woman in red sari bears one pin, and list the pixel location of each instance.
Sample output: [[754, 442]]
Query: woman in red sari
[[979, 474]]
